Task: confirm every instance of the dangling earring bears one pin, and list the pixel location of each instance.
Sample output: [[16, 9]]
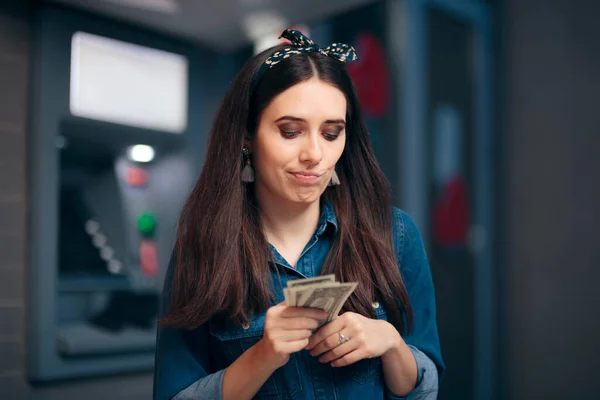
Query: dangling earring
[[335, 180], [247, 172]]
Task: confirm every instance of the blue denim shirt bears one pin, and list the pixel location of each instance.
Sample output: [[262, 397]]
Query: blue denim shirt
[[191, 364]]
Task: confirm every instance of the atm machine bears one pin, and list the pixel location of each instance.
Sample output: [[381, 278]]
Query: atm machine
[[113, 154], [108, 241], [118, 192]]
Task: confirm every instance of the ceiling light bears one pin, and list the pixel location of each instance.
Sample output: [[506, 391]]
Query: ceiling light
[[258, 24], [264, 28]]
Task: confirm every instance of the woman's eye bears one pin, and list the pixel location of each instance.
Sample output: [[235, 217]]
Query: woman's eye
[[289, 134], [331, 136]]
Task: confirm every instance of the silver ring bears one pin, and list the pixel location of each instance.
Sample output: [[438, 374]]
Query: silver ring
[[342, 339]]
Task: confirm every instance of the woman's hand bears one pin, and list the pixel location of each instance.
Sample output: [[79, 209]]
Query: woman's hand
[[352, 337], [287, 330]]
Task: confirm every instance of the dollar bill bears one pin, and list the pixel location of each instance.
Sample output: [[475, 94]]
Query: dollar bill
[[311, 281], [297, 285], [300, 294], [329, 296]]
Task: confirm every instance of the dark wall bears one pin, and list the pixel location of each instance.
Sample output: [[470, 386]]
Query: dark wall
[[15, 37], [551, 297]]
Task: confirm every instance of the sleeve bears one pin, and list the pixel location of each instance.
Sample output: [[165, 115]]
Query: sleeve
[[182, 365], [423, 339], [427, 379]]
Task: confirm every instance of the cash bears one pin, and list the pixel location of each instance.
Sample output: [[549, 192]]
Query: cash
[[322, 292]]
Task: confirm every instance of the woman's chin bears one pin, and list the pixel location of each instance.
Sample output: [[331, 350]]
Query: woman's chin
[[306, 196]]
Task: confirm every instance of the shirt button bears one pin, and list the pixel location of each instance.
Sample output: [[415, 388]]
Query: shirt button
[[246, 325], [375, 305]]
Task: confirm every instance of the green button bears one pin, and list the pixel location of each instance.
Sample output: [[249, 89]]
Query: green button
[[147, 224]]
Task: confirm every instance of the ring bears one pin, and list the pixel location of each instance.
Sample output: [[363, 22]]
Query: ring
[[342, 339]]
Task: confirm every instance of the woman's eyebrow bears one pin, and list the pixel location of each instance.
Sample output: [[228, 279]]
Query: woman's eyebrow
[[335, 121], [290, 118], [297, 119]]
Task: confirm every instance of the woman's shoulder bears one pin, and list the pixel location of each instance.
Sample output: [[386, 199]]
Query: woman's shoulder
[[405, 228], [408, 243]]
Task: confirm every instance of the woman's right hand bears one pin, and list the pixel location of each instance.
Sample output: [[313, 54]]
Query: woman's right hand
[[287, 330]]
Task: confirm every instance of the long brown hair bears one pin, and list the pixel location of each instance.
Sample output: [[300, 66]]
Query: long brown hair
[[221, 254]]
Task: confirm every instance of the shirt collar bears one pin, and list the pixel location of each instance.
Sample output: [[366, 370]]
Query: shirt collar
[[327, 218]]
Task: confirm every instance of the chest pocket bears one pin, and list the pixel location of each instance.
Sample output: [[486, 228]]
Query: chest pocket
[[234, 340], [366, 370]]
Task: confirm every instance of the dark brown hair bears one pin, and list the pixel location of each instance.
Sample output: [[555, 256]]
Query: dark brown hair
[[221, 255]]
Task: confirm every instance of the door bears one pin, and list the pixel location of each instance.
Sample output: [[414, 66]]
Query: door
[[447, 178], [449, 141]]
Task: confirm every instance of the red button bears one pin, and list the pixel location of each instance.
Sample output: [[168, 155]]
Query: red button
[[136, 176], [149, 257]]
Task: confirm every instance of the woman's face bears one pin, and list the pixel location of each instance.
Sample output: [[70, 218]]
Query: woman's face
[[300, 137]]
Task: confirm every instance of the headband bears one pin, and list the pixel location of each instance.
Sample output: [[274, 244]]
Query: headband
[[301, 44]]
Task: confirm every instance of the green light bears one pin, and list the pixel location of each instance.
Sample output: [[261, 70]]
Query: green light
[[146, 224]]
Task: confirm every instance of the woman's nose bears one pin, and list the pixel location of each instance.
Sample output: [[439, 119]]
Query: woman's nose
[[311, 150]]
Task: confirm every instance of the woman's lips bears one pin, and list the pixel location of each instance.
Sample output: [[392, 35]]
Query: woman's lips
[[306, 177]]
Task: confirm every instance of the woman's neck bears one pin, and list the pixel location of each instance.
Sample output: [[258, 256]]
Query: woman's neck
[[289, 225]]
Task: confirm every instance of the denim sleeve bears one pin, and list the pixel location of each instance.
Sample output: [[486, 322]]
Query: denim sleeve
[[182, 360], [427, 379], [416, 274], [209, 388]]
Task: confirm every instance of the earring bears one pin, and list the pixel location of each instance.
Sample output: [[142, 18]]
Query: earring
[[335, 180], [247, 172]]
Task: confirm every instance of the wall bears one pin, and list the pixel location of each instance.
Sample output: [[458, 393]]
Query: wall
[[550, 295], [15, 36]]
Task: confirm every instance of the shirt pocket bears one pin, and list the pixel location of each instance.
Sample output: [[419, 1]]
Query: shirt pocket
[[284, 383], [367, 370]]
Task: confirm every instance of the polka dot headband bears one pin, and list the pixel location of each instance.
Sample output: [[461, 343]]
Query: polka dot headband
[[301, 44]]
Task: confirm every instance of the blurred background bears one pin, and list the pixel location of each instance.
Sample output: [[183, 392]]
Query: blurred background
[[483, 116]]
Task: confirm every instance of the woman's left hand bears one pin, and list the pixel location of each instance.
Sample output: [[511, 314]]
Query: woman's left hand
[[352, 337]]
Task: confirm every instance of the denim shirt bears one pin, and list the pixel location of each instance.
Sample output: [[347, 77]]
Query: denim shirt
[[191, 364]]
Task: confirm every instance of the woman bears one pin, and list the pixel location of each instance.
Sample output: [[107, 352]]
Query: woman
[[291, 189]]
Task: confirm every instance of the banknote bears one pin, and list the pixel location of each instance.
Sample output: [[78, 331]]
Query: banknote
[[293, 286], [286, 295], [321, 292], [328, 298], [311, 281], [301, 293]]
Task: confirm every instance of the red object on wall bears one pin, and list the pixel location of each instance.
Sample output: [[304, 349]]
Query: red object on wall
[[370, 75], [451, 215]]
